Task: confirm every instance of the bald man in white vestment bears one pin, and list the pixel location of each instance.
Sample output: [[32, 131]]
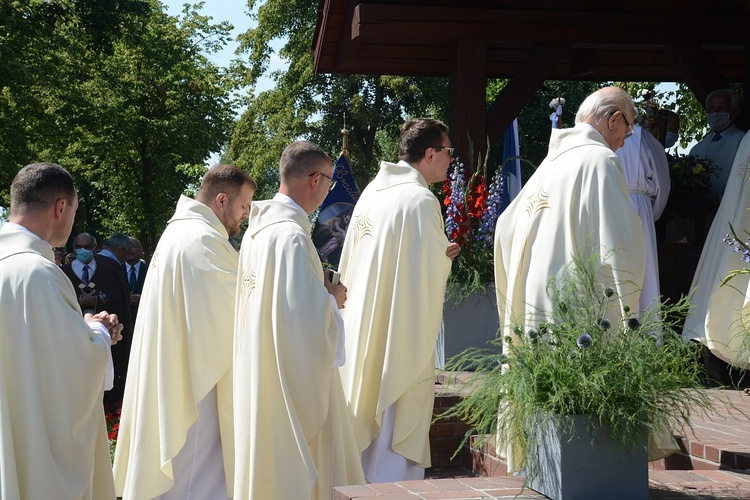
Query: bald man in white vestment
[[575, 203], [395, 263], [294, 439], [176, 430], [54, 362]]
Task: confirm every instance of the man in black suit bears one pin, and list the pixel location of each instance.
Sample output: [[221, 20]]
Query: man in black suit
[[100, 284], [135, 274]]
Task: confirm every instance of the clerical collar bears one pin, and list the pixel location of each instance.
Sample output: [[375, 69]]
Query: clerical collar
[[288, 201], [405, 163]]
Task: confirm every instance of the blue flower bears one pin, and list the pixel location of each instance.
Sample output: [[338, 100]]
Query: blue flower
[[533, 335], [633, 323], [584, 341], [493, 207], [604, 324], [609, 291]]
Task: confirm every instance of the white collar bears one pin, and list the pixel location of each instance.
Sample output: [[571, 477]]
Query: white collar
[[288, 201]]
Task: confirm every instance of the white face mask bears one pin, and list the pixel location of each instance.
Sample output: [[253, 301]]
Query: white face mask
[[671, 139], [718, 121]]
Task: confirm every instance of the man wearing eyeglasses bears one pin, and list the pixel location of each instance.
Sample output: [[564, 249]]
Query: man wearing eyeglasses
[[395, 263], [575, 204], [294, 437]]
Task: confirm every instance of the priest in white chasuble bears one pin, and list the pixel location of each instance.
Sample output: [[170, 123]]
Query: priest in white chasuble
[[395, 263], [576, 203], [293, 437], [176, 430], [53, 361], [720, 315]]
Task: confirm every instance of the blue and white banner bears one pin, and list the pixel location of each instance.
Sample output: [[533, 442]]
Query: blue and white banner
[[335, 214]]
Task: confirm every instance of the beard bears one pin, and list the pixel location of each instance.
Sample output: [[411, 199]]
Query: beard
[[231, 225]]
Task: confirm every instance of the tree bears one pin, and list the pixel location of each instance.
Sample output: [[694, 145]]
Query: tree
[[161, 107], [45, 47], [305, 105], [119, 93]]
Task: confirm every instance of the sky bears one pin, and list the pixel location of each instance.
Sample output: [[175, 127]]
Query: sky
[[236, 12]]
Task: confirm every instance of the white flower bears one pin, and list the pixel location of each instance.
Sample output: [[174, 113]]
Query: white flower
[[557, 101]]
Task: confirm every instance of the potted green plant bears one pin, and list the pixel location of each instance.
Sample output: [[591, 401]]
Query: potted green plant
[[576, 378]]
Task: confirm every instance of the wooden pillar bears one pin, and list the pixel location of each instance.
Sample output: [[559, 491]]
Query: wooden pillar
[[468, 99]]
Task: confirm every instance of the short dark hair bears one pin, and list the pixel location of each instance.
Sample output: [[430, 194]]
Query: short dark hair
[[37, 186], [300, 158], [224, 179], [417, 135]]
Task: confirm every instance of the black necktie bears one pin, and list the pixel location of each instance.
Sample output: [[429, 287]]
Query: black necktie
[[85, 275], [132, 280]]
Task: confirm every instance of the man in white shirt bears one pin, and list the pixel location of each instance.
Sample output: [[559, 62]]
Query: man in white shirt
[[721, 143]]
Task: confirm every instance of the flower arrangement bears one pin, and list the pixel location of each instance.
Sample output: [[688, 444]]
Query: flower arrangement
[[113, 428], [629, 378], [690, 174], [472, 208]]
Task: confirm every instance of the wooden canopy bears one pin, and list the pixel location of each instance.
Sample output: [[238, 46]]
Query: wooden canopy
[[704, 43]]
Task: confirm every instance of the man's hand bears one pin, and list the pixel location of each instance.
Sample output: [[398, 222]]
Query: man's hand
[[453, 250], [110, 321], [338, 292]]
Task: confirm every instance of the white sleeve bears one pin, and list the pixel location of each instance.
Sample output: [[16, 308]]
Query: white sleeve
[[340, 358], [101, 330]]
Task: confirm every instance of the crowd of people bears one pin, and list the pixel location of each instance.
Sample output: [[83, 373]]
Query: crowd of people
[[237, 381], [252, 374]]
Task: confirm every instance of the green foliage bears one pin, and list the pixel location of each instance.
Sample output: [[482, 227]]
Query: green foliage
[[533, 122], [314, 107], [576, 362], [120, 94]]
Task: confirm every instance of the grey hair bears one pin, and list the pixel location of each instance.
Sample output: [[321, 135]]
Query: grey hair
[[734, 97], [603, 102], [118, 241]]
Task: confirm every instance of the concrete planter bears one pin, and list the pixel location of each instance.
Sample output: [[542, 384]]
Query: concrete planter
[[590, 465], [471, 323]]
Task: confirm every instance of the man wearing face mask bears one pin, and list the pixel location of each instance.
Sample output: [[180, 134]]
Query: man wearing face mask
[[721, 143], [100, 285]]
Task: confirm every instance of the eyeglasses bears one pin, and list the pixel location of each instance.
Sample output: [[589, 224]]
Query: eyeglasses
[[450, 150], [630, 127], [331, 181]]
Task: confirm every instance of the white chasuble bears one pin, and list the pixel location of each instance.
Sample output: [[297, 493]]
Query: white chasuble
[[395, 268], [720, 315], [52, 369], [294, 437], [182, 350], [575, 203]]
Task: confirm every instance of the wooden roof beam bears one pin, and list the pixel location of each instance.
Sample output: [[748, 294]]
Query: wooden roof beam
[[521, 88]]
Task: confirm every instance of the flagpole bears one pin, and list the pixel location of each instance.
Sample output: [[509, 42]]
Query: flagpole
[[345, 140]]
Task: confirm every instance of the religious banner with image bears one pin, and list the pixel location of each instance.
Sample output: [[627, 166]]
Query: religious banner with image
[[335, 212]]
